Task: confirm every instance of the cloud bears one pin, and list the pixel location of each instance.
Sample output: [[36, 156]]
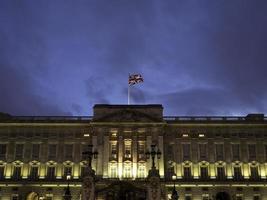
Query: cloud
[[77, 108], [18, 96], [97, 90], [20, 92], [209, 101], [196, 57]]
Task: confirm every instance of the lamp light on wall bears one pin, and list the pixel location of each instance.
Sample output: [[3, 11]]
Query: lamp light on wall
[[67, 195]]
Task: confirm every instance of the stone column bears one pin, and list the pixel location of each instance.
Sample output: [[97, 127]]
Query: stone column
[[105, 156], [120, 156], [161, 160]]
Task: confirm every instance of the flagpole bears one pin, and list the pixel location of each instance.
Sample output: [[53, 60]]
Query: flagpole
[[128, 90], [128, 94]]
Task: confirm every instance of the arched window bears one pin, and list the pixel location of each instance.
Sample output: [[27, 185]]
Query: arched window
[[17, 166], [187, 174], [34, 168], [204, 172], [237, 171], [2, 170], [83, 166], [67, 168], [51, 170], [220, 170], [254, 171]]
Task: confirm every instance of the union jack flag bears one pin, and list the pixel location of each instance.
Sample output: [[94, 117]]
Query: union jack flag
[[135, 78]]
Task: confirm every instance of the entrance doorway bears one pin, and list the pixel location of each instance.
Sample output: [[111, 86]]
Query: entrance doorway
[[223, 196], [122, 190]]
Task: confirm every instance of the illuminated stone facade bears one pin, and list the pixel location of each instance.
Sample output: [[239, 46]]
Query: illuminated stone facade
[[209, 155]]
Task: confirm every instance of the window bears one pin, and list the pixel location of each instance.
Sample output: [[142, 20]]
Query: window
[[83, 168], [17, 172], [237, 173], [34, 173], [141, 150], [141, 171], [127, 148], [67, 171], [219, 152], [37, 134], [127, 171], [2, 169], [235, 151], [252, 152], [169, 151], [169, 171], [256, 197], [51, 172], [220, 173], [205, 197], [15, 197], [68, 151], [19, 151], [202, 151], [265, 147], [239, 197], [254, 173], [186, 151], [187, 172], [204, 172], [52, 151], [49, 197], [113, 171], [35, 151], [127, 151], [113, 150], [3, 151], [188, 197]]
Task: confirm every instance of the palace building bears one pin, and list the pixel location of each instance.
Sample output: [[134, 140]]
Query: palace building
[[204, 158]]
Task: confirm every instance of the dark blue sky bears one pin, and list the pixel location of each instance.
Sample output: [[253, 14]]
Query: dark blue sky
[[196, 57]]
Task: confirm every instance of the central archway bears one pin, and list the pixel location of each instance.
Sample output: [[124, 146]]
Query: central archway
[[223, 196], [122, 190], [32, 196]]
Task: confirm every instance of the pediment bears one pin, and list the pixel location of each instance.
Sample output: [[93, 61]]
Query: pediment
[[128, 116]]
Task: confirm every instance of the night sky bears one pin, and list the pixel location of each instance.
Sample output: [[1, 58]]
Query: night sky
[[196, 57]]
